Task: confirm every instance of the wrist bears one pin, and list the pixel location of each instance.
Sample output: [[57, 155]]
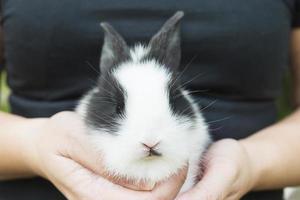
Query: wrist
[[16, 151], [258, 163], [32, 128]]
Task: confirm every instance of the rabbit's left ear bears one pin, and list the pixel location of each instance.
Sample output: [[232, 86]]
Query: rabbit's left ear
[[114, 50], [165, 46]]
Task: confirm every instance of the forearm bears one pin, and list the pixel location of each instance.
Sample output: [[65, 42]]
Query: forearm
[[275, 154], [14, 136]]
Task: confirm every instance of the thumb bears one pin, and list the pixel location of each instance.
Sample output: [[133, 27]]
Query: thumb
[[170, 188]]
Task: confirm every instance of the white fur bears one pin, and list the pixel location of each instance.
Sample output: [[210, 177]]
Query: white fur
[[138, 52], [149, 119]]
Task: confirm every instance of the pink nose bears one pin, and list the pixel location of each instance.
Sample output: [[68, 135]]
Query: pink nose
[[150, 145], [151, 149]]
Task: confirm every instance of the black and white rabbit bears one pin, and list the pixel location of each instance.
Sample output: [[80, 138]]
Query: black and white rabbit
[[143, 122]]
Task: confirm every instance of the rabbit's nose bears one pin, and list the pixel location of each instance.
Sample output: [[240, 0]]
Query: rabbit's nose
[[151, 148], [150, 145]]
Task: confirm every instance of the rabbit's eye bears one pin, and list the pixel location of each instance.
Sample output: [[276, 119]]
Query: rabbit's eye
[[119, 109]]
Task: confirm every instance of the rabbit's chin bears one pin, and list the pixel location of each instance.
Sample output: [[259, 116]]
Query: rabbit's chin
[[152, 169]]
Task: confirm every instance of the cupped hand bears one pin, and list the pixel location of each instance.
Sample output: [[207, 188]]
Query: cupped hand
[[59, 150], [228, 173]]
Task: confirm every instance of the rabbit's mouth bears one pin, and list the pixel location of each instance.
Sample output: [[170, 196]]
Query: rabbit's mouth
[[152, 157], [154, 152]]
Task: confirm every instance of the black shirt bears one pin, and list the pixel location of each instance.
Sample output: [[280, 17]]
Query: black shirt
[[240, 47]]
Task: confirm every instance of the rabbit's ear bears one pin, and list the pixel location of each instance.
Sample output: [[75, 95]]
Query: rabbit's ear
[[165, 45], [114, 50]]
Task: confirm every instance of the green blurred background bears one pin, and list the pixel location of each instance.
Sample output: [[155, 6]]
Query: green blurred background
[[284, 104], [4, 92]]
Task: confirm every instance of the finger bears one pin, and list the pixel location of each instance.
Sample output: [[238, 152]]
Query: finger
[[69, 177], [170, 188], [77, 182], [79, 147], [214, 185], [140, 186]]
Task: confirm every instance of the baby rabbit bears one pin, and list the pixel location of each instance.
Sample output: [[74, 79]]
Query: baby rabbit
[[145, 124]]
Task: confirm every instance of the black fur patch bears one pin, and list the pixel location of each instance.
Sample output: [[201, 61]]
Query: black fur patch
[[180, 106], [107, 107]]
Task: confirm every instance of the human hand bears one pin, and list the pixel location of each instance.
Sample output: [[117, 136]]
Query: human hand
[[59, 150], [228, 173]]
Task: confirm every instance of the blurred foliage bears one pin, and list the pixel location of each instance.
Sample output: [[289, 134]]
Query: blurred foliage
[[4, 92], [284, 102]]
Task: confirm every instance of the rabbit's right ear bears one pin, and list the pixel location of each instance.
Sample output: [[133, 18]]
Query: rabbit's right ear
[[114, 50], [165, 45]]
